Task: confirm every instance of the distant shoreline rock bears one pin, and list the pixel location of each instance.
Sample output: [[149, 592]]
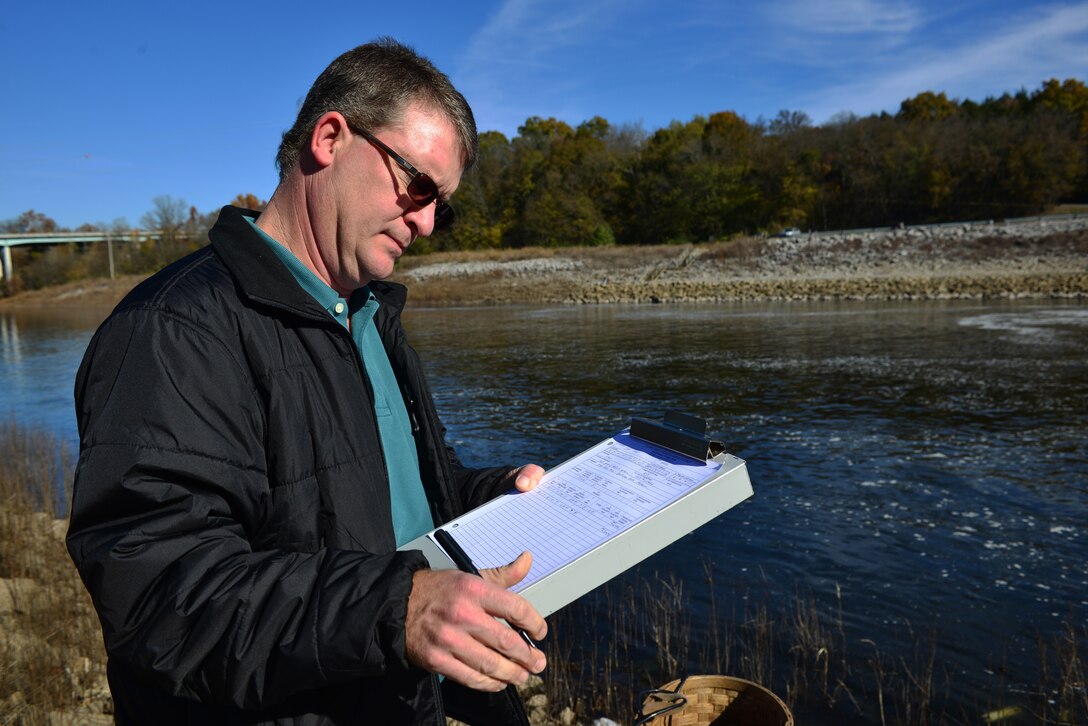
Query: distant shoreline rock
[[1040, 257], [1037, 258]]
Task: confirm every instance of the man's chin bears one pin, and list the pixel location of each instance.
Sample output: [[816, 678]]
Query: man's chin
[[380, 271]]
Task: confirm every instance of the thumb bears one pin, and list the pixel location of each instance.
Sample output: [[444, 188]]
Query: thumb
[[511, 574]]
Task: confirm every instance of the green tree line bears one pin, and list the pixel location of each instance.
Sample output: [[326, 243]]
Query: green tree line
[[936, 159]]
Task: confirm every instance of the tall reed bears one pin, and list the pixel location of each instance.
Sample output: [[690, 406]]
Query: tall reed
[[642, 634], [52, 662]]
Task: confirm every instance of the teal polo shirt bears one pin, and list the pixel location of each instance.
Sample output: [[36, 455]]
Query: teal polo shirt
[[411, 512]]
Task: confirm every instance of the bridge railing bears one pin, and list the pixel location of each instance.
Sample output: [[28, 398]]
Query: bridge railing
[[9, 240]]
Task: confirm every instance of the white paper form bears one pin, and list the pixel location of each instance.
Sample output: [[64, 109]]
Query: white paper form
[[579, 505]]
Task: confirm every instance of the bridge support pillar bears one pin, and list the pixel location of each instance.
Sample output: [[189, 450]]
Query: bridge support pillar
[[5, 264]]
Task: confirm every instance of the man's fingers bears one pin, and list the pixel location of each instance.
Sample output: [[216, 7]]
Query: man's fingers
[[511, 574], [484, 672], [474, 679], [527, 477], [485, 644], [519, 613], [469, 665], [455, 627]]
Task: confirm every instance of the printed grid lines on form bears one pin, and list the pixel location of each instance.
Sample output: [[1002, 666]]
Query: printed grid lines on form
[[581, 506], [548, 532]]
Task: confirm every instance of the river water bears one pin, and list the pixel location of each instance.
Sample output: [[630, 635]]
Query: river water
[[919, 465]]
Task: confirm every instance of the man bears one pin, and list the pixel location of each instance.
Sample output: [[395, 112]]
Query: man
[[257, 437]]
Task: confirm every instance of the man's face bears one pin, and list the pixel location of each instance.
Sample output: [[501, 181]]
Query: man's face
[[375, 220]]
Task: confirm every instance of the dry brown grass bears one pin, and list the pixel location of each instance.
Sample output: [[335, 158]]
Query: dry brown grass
[[628, 256], [743, 249], [52, 662], [488, 255], [92, 292]]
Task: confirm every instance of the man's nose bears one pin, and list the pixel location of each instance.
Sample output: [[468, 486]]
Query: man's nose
[[421, 219]]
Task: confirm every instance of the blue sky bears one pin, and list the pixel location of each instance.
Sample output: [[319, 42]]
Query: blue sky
[[109, 104]]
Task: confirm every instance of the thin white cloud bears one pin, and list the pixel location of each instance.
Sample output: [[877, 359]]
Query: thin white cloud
[[529, 32], [835, 35], [848, 17], [1022, 53], [524, 43]]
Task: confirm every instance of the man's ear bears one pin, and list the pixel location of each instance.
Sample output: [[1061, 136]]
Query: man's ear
[[329, 135]]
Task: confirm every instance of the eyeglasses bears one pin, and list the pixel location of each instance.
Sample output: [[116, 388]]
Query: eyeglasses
[[421, 188]]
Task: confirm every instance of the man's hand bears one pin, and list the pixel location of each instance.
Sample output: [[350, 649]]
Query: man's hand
[[524, 478], [452, 628]]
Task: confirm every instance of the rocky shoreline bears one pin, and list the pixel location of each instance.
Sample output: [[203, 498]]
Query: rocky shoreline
[[1040, 257]]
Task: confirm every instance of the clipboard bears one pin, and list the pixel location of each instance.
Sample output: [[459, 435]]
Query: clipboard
[[601, 511]]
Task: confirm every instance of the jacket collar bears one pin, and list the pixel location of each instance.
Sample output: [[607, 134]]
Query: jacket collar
[[264, 279]]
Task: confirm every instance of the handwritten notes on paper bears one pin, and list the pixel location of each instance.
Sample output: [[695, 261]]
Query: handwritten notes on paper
[[580, 505]]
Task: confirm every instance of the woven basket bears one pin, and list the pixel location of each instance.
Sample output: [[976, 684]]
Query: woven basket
[[722, 701]]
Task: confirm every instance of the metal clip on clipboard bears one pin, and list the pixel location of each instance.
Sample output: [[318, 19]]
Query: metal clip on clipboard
[[679, 432]]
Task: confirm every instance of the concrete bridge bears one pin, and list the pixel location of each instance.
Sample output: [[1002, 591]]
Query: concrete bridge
[[8, 240]]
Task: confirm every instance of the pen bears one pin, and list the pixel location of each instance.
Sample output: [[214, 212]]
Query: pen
[[464, 564]]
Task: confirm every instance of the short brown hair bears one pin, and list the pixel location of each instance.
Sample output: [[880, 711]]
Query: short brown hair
[[372, 85]]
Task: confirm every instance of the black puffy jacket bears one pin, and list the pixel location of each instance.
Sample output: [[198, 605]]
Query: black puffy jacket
[[231, 516]]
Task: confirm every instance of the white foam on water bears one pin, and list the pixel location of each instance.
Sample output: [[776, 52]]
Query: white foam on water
[[1037, 325]]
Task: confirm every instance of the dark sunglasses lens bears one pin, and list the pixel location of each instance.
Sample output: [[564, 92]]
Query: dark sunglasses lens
[[443, 216], [422, 190]]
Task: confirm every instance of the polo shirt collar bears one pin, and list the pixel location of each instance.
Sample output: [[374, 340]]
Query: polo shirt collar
[[318, 289]]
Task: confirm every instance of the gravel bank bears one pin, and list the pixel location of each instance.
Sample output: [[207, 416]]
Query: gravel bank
[[1039, 257]]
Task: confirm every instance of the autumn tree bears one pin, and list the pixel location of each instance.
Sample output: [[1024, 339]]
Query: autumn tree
[[1071, 98], [29, 222], [482, 201], [562, 179], [927, 106], [249, 201], [788, 122], [173, 220], [167, 215]]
